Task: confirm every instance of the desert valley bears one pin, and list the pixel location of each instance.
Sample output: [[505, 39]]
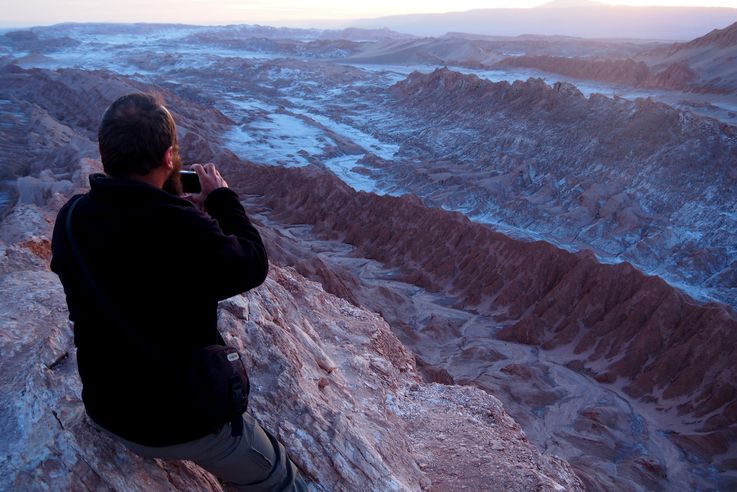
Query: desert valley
[[498, 262]]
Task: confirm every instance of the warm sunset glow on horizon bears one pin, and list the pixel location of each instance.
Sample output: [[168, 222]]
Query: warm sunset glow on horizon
[[276, 12]]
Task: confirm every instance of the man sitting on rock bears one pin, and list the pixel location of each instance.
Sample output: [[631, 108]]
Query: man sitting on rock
[[162, 262]]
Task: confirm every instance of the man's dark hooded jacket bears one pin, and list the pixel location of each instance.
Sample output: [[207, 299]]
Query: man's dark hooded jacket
[[164, 265]]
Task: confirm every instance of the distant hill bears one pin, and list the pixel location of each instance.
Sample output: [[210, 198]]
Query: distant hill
[[722, 38], [479, 51], [704, 65], [567, 17], [701, 65], [712, 57], [355, 34]]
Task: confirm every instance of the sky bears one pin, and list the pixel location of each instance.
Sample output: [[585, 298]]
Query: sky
[[14, 13]]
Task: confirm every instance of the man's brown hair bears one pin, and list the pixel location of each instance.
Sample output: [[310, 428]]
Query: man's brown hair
[[134, 134]]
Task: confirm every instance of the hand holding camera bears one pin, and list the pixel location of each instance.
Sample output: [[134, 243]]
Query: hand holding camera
[[204, 180]]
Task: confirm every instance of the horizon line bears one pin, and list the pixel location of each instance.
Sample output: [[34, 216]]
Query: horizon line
[[345, 23]]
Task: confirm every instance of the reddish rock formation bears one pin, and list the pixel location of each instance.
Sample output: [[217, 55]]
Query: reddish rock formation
[[678, 76], [632, 329], [628, 72], [708, 57]]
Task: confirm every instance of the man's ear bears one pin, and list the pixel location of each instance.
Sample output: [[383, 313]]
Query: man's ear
[[168, 160]]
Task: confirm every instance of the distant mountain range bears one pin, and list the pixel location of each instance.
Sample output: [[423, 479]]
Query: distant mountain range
[[701, 65], [582, 18]]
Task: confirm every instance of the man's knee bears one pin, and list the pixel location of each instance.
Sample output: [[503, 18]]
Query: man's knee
[[245, 459]]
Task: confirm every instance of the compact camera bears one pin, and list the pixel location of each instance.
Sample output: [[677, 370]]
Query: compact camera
[[190, 181]]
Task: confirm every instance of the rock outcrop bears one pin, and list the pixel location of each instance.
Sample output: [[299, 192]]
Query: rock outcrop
[[677, 76]]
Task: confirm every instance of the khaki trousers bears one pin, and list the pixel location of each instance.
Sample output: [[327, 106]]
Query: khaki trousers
[[252, 462]]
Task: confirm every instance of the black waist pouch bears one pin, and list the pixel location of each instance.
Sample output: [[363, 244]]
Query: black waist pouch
[[218, 386]]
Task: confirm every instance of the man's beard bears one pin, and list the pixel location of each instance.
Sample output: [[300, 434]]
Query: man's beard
[[173, 183]]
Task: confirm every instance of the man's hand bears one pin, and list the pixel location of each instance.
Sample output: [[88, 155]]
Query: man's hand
[[210, 180]]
